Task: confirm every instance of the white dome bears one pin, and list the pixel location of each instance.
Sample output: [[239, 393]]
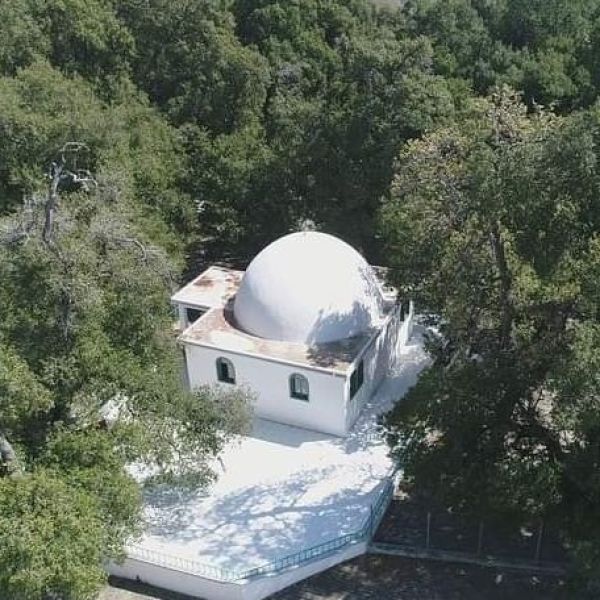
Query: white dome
[[308, 287]]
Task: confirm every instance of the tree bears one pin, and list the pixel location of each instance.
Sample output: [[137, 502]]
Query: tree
[[205, 76], [52, 540], [21, 38], [90, 381], [540, 48], [128, 146], [493, 227], [339, 95]]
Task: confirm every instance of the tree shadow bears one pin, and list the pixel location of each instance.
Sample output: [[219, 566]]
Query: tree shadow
[[345, 349], [352, 328], [274, 515], [261, 523]]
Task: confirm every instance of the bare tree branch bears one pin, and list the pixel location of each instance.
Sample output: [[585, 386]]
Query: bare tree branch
[[8, 458], [60, 174]]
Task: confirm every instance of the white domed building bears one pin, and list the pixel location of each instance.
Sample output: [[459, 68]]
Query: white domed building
[[309, 326]]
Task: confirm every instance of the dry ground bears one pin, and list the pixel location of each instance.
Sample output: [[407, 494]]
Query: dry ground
[[392, 578]]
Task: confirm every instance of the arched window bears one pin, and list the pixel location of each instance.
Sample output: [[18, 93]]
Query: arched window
[[299, 387], [225, 370], [357, 378]]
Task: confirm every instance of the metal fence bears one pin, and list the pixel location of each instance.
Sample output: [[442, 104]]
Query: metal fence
[[176, 563], [412, 526]]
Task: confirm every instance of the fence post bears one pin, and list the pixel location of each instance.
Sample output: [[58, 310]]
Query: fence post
[[538, 546], [480, 539], [428, 537]]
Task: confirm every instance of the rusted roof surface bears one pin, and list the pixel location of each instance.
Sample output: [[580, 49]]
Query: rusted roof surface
[[214, 287], [217, 328]]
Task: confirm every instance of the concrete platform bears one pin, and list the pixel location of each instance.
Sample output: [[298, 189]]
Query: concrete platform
[[281, 491]]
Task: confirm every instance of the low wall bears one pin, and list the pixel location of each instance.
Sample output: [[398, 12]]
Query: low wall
[[176, 581], [272, 578], [209, 589]]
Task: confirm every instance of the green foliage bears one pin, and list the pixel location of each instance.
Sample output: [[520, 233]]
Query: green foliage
[[86, 317], [541, 47], [206, 75], [53, 539], [493, 226], [76, 36], [90, 462], [96, 324], [129, 147], [22, 396], [21, 37], [90, 380], [341, 95], [211, 128]]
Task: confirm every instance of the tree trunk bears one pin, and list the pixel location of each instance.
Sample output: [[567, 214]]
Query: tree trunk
[[506, 309], [55, 174], [8, 457]]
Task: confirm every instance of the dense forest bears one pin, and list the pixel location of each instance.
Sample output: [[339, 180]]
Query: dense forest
[[455, 141]]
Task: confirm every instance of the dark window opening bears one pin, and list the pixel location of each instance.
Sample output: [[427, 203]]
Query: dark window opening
[[357, 378], [402, 311], [299, 387], [193, 314], [225, 370]]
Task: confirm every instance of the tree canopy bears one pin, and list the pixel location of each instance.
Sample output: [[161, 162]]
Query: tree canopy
[[493, 224], [454, 141]]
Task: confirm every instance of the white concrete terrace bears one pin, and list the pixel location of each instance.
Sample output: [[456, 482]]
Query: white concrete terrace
[[281, 490]]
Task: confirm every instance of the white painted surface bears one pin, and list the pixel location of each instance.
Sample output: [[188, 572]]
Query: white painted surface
[[329, 408], [281, 490], [212, 287], [308, 287], [255, 589], [324, 411], [177, 581], [378, 358]]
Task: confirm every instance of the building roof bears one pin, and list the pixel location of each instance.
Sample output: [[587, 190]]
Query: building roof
[[307, 299], [211, 288], [217, 329], [309, 287]]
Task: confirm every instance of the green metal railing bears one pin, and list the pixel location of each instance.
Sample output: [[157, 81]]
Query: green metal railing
[[176, 563]]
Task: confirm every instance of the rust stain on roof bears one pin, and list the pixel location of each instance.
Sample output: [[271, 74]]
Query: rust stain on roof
[[211, 288], [218, 328]]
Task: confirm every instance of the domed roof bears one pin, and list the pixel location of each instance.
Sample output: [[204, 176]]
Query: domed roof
[[308, 287]]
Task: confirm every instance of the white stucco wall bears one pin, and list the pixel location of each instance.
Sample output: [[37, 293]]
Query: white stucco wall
[[324, 411], [253, 589], [330, 408], [378, 358], [176, 581]]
